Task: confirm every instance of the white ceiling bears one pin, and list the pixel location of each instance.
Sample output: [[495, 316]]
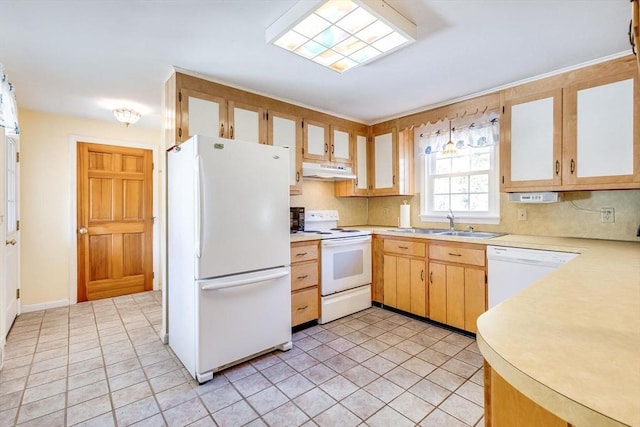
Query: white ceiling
[[86, 57]]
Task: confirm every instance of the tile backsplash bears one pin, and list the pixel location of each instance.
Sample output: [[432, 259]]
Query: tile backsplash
[[576, 215]]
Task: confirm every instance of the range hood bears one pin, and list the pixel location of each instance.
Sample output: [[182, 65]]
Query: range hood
[[327, 172]]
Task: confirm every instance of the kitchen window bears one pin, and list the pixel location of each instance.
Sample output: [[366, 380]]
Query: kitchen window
[[458, 170]]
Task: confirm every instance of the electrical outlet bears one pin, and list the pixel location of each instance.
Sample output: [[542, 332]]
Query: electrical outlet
[[607, 215], [522, 214]]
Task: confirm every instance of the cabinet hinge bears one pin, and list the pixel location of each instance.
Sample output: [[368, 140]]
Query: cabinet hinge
[[179, 96], [17, 157], [302, 124], [486, 279], [180, 132], [17, 225], [303, 151], [503, 109], [503, 179], [18, 293], [153, 274]]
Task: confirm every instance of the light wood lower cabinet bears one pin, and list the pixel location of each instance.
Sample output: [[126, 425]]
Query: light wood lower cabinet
[[305, 297], [506, 406], [404, 275], [457, 284]]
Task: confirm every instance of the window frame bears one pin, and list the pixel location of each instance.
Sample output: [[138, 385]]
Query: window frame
[[427, 214]]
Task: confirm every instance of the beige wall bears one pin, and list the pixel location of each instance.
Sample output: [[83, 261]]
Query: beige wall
[[553, 219], [47, 233], [320, 195]]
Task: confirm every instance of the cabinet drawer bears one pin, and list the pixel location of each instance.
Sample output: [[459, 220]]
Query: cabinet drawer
[[405, 247], [304, 275], [457, 254], [304, 306], [304, 253]]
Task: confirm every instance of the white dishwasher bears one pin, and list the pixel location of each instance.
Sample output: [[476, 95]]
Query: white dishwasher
[[512, 269]]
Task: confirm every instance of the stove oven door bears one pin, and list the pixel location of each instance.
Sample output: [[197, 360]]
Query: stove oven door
[[346, 264]]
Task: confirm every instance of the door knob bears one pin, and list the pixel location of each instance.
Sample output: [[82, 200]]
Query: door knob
[[83, 230], [11, 242]]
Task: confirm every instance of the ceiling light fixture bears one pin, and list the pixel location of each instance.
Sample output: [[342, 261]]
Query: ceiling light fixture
[[341, 34], [126, 115]]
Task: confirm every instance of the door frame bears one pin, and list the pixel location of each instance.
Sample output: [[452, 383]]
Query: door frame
[[158, 238]]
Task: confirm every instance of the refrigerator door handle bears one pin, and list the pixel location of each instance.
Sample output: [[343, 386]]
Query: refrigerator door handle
[[244, 282], [198, 207]]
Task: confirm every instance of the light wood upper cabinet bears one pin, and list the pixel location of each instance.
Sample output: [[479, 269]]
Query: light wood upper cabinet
[[285, 130], [360, 166], [341, 145], [531, 148], [201, 114], [247, 122], [391, 163], [602, 131], [574, 131], [316, 141]]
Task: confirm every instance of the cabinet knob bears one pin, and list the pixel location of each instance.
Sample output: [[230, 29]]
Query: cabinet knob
[[431, 277], [422, 275], [231, 131], [326, 147], [221, 130], [573, 166], [297, 176], [557, 167]]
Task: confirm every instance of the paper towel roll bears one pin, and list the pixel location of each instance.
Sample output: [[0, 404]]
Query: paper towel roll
[[405, 216]]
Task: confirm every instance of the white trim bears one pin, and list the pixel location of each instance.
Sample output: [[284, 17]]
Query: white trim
[[45, 305], [157, 213]]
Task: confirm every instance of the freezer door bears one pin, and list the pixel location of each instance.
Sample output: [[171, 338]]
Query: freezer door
[[239, 316], [242, 207]]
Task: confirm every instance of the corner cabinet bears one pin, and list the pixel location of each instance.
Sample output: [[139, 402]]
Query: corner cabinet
[[457, 284], [360, 166], [391, 163], [582, 134]]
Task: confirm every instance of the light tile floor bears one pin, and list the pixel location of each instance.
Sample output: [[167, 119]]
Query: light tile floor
[[101, 363]]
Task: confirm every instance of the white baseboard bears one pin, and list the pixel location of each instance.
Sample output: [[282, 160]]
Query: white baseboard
[[44, 306]]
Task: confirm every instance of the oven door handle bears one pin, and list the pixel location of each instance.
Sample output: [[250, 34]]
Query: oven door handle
[[344, 241]]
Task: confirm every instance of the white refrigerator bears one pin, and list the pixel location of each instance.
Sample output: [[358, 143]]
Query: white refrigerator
[[228, 252]]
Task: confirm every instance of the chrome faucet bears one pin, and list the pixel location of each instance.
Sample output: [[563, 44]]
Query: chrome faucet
[[451, 217]]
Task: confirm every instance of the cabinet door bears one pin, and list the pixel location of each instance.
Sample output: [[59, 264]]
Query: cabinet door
[[475, 297], [390, 282], [360, 166], [455, 296], [247, 123], [437, 292], [340, 145], [602, 131], [418, 288], [316, 141], [531, 146], [285, 131], [201, 114], [385, 160], [403, 284]]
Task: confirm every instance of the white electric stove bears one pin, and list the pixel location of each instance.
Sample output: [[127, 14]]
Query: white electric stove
[[345, 258]]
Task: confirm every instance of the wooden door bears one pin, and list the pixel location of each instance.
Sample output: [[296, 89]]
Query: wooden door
[[475, 297], [114, 193], [403, 283], [437, 292], [11, 255], [455, 296], [418, 288], [390, 280]]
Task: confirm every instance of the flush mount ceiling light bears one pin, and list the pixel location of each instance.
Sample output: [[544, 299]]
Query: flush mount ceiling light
[[341, 34], [126, 115]]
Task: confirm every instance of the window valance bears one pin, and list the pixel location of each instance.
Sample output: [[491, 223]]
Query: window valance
[[8, 105], [480, 131]]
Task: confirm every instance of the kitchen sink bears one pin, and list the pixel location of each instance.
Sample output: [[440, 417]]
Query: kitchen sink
[[419, 230], [441, 232], [475, 234]]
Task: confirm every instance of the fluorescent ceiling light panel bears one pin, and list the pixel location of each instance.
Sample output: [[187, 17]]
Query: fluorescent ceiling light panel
[[341, 34]]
